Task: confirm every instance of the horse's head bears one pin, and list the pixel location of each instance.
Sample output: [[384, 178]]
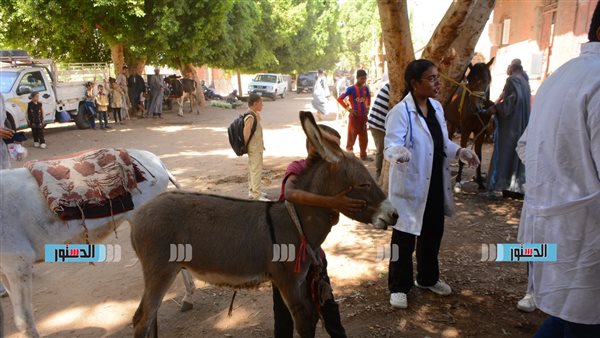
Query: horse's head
[[336, 171], [480, 77]]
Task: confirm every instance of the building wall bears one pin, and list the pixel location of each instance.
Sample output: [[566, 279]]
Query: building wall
[[544, 34]]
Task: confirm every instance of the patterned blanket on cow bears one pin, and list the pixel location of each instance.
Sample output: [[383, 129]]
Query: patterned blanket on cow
[[90, 184]]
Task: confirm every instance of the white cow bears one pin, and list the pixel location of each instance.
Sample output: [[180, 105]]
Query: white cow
[[27, 224]]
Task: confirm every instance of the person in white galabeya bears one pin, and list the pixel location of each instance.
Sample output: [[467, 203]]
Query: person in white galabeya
[[5, 133], [417, 145], [561, 152], [321, 95]]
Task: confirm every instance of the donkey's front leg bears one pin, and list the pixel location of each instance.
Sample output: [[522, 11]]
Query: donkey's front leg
[[301, 307], [18, 273]]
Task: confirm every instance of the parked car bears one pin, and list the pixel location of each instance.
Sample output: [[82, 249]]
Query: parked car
[[268, 84], [306, 81], [61, 90]]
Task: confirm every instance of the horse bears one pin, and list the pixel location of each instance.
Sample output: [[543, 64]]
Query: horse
[[467, 111], [181, 90], [24, 232], [234, 241]]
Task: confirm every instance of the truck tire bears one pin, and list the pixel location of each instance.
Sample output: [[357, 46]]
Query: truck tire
[[80, 120], [283, 94], [10, 122], [275, 95]]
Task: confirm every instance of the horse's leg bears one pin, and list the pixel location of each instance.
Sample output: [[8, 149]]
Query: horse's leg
[[156, 285], [187, 303], [478, 145], [464, 138], [17, 273], [451, 129], [301, 307]]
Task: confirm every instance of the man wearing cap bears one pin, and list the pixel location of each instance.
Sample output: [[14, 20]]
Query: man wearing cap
[[360, 101]]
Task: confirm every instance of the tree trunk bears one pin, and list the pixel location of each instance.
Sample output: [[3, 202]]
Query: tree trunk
[[462, 50], [399, 51], [188, 70], [118, 57], [447, 30], [380, 60], [136, 65], [239, 80], [395, 30]]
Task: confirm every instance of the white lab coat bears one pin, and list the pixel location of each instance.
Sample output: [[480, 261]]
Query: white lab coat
[[409, 182], [562, 192]]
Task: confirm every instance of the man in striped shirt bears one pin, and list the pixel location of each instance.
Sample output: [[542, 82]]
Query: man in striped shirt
[[360, 100], [376, 123]]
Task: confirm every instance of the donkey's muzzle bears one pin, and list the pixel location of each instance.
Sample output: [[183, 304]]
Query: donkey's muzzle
[[385, 215]]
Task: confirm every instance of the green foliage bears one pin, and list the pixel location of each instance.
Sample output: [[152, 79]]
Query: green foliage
[[360, 28], [61, 30], [274, 35], [306, 34], [177, 32]]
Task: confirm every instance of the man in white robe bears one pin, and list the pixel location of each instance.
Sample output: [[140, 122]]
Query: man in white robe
[[562, 193], [321, 95]]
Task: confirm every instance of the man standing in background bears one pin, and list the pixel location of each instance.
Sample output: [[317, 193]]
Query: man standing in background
[[360, 101], [376, 123]]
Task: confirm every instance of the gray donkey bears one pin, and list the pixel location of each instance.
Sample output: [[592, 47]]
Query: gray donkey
[[232, 239]]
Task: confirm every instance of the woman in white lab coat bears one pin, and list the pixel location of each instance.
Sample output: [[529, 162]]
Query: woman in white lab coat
[[418, 147]]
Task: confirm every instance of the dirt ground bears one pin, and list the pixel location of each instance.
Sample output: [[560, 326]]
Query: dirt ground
[[79, 300]]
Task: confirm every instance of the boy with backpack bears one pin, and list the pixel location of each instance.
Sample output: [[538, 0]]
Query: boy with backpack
[[255, 147]]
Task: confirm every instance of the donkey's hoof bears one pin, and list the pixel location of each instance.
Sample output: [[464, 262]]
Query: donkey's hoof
[[186, 306], [458, 187]]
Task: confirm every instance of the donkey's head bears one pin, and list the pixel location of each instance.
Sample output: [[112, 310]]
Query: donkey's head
[[336, 171]]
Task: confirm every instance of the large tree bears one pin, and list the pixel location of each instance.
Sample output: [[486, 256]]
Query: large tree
[[361, 29], [451, 46], [304, 35]]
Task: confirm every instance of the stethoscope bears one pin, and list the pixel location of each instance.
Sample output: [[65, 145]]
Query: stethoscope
[[410, 143]]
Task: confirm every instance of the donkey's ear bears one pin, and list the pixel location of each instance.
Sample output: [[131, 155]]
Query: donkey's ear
[[491, 61], [470, 66], [328, 150]]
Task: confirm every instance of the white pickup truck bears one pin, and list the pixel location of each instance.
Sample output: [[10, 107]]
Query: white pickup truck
[[60, 90], [268, 84]]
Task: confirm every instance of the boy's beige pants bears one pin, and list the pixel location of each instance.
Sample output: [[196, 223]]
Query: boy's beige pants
[[255, 166]]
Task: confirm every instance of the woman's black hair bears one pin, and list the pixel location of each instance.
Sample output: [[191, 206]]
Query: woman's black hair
[[595, 24], [414, 71]]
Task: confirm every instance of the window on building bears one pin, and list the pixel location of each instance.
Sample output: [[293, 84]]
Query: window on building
[[505, 31]]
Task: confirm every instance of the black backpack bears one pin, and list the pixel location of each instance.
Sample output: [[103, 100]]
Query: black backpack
[[236, 134]]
